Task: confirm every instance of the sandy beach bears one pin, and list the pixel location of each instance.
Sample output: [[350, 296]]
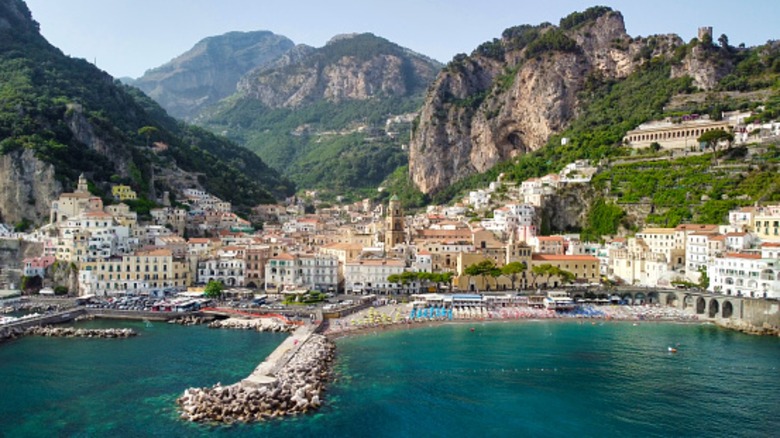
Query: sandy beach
[[383, 318]]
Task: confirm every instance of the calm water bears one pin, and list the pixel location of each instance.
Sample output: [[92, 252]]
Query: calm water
[[520, 379]]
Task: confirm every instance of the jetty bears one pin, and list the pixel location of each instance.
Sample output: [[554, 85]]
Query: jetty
[[289, 381]]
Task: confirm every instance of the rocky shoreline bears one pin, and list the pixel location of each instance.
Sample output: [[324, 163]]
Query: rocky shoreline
[[71, 332], [259, 324], [296, 389], [191, 320], [750, 329]]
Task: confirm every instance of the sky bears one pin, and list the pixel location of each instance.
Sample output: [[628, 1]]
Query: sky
[[128, 37]]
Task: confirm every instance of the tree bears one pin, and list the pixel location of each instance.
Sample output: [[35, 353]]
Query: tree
[[483, 269], [724, 41], [545, 269], [714, 137], [704, 279], [213, 289], [512, 270], [565, 276], [447, 277], [148, 132]]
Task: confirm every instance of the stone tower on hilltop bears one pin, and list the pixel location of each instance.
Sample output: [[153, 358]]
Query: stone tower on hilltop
[[705, 31], [394, 224]]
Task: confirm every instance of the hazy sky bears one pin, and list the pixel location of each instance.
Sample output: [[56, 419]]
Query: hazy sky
[[127, 37]]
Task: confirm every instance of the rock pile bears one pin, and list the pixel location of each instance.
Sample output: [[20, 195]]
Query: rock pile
[[72, 332], [7, 334], [751, 329], [259, 324], [191, 320], [297, 389]]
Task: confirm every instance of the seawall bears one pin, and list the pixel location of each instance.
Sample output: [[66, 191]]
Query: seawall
[[289, 381]]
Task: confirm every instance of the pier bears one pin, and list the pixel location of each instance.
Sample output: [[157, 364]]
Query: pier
[[289, 381], [265, 373]]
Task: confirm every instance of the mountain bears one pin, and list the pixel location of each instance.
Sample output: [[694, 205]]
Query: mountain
[[333, 117], [60, 117], [512, 94], [210, 70]]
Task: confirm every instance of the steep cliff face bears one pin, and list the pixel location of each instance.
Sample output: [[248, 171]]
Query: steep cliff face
[[27, 187], [563, 212], [210, 70], [705, 66], [510, 95], [354, 67]]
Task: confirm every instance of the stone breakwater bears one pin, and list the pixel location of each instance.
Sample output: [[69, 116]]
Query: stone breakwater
[[296, 389], [191, 320], [8, 334], [71, 332], [259, 324]]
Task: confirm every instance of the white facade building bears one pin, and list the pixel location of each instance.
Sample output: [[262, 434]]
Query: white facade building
[[748, 275], [370, 276]]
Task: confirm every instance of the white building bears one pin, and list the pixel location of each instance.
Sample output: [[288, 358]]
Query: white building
[[749, 275], [229, 271], [423, 262], [636, 264], [302, 271], [479, 199], [699, 250], [370, 276]]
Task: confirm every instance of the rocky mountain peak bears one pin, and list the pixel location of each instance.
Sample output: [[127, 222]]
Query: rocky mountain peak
[[210, 70], [348, 67], [511, 94]]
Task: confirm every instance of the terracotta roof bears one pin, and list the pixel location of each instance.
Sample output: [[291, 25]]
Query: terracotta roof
[[770, 245], [697, 227], [98, 214], [657, 231], [155, 252], [736, 234], [445, 233], [719, 237], [736, 255], [198, 240], [564, 258], [283, 256], [379, 262], [344, 246], [550, 238]]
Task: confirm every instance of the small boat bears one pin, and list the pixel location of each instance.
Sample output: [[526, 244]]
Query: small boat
[[672, 350], [472, 329]]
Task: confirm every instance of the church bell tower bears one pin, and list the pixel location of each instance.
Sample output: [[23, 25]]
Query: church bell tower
[[394, 224]]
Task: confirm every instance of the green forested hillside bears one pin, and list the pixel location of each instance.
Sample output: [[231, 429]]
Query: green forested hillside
[[319, 146], [44, 94], [341, 144]]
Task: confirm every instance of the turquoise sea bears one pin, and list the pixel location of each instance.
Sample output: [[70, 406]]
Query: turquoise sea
[[531, 378]]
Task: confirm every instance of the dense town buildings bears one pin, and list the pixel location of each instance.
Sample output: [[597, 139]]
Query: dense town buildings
[[359, 247]]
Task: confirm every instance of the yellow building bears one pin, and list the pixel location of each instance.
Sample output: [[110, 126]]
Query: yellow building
[[766, 222], [139, 272], [584, 267], [123, 192]]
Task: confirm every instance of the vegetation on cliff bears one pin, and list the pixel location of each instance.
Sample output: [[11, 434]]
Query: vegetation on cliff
[[78, 118], [319, 132]]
